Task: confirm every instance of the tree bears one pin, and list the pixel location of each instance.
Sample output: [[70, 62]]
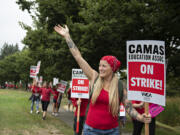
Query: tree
[[16, 67], [99, 28], [44, 44], [8, 49], [8, 69], [23, 63]]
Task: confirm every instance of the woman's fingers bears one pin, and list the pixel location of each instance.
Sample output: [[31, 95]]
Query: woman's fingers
[[59, 25], [66, 28], [147, 118], [63, 31], [56, 28]]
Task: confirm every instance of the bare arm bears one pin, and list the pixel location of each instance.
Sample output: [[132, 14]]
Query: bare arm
[[132, 112], [89, 72]]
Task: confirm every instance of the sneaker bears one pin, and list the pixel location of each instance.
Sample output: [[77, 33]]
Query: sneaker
[[31, 111], [56, 114], [43, 118], [37, 112], [53, 113]]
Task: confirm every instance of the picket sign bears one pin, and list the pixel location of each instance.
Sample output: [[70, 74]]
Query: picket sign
[[80, 84], [122, 110], [62, 86], [146, 76], [33, 72], [80, 89], [55, 81]]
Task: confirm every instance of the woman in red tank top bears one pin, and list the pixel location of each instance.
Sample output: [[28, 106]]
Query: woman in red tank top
[[102, 118], [46, 92]]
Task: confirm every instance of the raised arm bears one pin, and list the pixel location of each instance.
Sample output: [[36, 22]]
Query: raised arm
[[132, 112], [89, 72]]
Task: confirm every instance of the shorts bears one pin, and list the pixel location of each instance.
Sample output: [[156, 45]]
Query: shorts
[[44, 105], [54, 100]]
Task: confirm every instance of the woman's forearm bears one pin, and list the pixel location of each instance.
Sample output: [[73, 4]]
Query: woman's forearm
[[73, 48], [79, 59], [129, 108], [133, 113]]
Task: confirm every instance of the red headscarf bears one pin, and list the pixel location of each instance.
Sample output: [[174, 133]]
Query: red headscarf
[[112, 61]]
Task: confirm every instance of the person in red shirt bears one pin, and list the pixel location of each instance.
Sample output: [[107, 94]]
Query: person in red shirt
[[102, 117], [55, 104], [35, 97], [83, 105], [46, 92], [138, 125]]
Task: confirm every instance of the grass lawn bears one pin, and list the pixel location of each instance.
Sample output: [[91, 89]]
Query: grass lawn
[[15, 118], [159, 129]]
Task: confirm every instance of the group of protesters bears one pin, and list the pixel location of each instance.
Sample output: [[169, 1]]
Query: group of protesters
[[10, 85], [103, 105], [43, 93]]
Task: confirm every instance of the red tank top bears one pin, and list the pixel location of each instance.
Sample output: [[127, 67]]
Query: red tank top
[[99, 115]]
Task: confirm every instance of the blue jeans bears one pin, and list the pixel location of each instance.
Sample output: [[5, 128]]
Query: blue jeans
[[37, 104], [93, 131]]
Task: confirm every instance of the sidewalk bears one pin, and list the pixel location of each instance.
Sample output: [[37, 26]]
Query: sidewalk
[[64, 115]]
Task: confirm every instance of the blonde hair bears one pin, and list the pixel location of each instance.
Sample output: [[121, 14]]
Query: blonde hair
[[113, 94], [44, 84]]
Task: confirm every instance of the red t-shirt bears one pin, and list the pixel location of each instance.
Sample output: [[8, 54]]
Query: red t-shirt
[[99, 115], [46, 93], [139, 110], [36, 90], [69, 94], [56, 93], [84, 103]]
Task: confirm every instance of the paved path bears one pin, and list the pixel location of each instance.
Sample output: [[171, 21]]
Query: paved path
[[64, 115]]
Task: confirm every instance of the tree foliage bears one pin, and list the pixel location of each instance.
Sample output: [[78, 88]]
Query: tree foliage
[[98, 28], [8, 49], [15, 67]]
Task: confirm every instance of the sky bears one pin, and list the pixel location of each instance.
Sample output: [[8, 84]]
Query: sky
[[10, 30]]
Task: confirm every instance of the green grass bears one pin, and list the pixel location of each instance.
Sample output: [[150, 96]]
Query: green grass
[[15, 118], [171, 113], [168, 121], [160, 129]]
